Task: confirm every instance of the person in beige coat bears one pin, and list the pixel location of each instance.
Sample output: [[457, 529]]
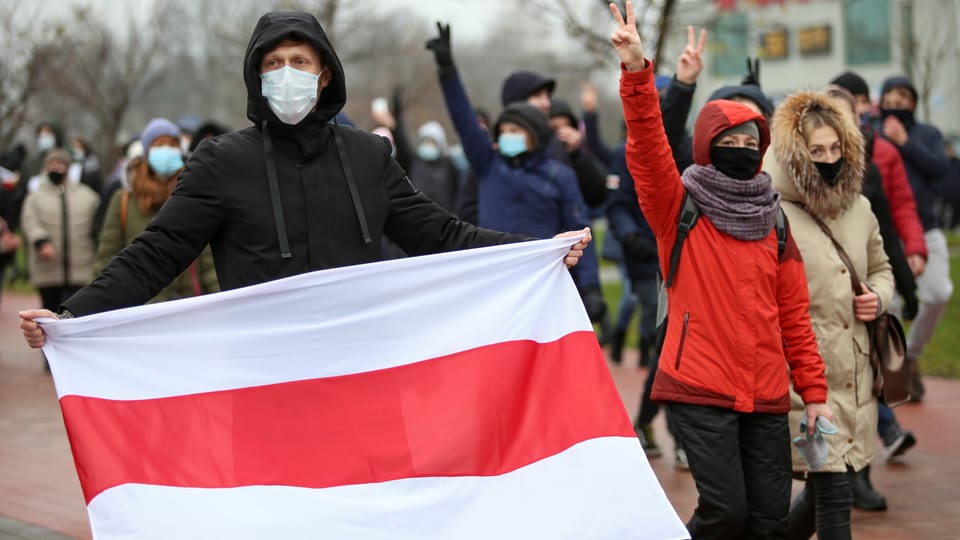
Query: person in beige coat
[[818, 170], [58, 223]]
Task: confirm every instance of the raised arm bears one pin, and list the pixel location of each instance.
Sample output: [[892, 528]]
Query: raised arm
[[648, 153], [678, 99], [474, 139]]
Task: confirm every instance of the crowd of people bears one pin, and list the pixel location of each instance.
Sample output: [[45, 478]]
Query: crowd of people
[[743, 213]]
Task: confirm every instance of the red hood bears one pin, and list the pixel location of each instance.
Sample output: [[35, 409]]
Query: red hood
[[718, 115]]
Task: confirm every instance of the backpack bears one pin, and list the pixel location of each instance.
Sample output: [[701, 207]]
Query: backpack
[[689, 215]]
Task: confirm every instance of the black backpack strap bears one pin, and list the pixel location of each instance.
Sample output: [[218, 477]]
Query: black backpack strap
[[689, 214], [781, 232]]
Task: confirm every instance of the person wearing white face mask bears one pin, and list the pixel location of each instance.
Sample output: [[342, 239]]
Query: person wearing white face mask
[[291, 194], [151, 181]]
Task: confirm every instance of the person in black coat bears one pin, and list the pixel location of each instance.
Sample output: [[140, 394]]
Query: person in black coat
[[288, 195]]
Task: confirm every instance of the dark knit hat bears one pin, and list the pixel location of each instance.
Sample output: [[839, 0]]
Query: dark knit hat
[[899, 82], [853, 83], [529, 118], [747, 128]]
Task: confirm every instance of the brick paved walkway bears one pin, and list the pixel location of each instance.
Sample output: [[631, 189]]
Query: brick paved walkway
[[40, 496]]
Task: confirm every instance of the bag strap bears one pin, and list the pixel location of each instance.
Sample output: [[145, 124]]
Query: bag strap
[[781, 226], [854, 279], [689, 214]]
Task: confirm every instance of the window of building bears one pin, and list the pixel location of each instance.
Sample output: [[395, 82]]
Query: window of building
[[729, 42], [867, 31]]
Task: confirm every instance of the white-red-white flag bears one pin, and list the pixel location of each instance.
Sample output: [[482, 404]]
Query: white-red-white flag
[[454, 396]]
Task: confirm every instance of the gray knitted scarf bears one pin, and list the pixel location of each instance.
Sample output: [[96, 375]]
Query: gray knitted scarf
[[744, 209]]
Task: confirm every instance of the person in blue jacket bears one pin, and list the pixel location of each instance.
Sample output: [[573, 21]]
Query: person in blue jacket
[[521, 189], [925, 159]]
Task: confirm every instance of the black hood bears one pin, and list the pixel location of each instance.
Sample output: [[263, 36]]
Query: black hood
[[531, 119], [274, 28], [521, 84], [558, 107]]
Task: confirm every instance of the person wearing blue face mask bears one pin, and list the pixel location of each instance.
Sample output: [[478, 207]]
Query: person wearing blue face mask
[[521, 188], [129, 211]]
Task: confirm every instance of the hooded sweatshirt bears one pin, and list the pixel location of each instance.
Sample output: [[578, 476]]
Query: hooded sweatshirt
[[737, 310], [339, 190]]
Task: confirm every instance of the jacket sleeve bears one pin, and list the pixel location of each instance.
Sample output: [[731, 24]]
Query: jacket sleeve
[[924, 150], [903, 276], [575, 217], [619, 216], [903, 206], [591, 128], [420, 226], [591, 177], [803, 355], [649, 158], [33, 230], [474, 139], [111, 234], [174, 238], [879, 274], [675, 108]]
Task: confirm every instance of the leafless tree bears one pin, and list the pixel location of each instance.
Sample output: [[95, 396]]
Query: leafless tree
[[592, 28], [926, 50], [101, 71], [19, 69]]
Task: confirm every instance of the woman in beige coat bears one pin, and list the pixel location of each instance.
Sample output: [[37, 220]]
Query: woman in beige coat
[[819, 171], [58, 223]]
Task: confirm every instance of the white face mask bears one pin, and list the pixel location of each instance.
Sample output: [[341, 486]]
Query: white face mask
[[290, 92], [45, 142]]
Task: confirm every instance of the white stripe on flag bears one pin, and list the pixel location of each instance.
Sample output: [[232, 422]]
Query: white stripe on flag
[[598, 489], [334, 322]]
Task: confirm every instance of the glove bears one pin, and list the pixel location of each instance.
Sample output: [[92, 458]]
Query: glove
[[594, 303], [910, 307], [639, 248], [753, 73], [442, 51]]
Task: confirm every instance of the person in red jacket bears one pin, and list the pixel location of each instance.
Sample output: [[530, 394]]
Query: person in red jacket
[[738, 310]]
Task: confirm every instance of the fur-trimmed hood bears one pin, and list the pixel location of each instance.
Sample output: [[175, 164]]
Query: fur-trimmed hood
[[799, 181]]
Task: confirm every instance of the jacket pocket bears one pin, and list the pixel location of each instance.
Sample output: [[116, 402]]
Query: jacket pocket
[[683, 338]]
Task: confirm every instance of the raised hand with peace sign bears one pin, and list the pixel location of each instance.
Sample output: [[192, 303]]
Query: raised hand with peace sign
[[690, 63], [626, 39]]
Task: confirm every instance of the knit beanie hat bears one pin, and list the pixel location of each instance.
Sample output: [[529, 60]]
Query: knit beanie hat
[[747, 128], [853, 83], [56, 154], [158, 127]]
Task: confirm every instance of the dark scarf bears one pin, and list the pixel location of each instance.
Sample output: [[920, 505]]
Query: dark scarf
[[744, 209]]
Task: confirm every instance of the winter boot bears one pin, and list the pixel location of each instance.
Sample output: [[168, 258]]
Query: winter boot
[[645, 434], [916, 383], [864, 496]]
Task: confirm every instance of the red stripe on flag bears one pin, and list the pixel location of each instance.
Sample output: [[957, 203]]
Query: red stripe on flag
[[485, 411]]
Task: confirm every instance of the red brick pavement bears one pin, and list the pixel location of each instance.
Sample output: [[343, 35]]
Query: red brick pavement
[[38, 483]]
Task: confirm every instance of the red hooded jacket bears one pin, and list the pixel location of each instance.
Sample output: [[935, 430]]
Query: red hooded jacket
[[738, 312], [903, 207]]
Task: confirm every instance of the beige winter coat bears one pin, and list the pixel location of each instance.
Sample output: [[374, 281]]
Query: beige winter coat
[[43, 220], [842, 338]]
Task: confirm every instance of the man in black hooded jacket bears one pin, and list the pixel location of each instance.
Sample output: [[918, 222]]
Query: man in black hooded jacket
[[291, 194]]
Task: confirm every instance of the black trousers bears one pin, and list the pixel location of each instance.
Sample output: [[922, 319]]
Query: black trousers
[[741, 465]]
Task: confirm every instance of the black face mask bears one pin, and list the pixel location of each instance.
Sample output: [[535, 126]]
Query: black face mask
[[56, 177], [905, 116], [830, 172], [736, 162]]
